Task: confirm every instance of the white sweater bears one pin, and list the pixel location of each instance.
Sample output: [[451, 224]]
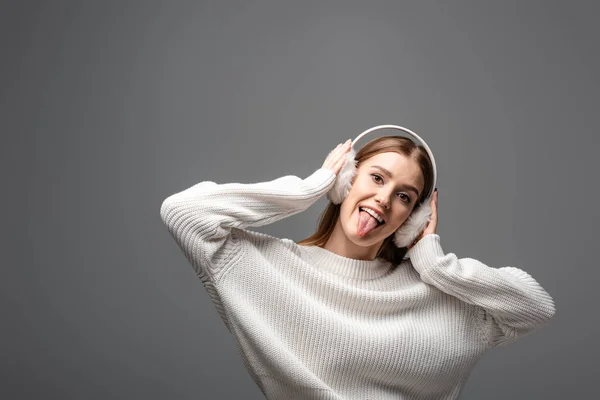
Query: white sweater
[[311, 324]]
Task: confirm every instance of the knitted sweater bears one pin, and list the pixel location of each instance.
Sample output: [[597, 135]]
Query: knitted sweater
[[311, 324]]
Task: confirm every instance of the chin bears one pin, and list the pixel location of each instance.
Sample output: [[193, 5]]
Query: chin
[[364, 241]]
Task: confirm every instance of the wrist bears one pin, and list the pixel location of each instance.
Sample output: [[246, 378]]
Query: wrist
[[425, 252]]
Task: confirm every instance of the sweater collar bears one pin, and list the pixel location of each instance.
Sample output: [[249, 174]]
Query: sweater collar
[[347, 267]]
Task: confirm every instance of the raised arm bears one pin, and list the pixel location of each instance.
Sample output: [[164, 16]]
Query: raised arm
[[201, 218], [512, 304]]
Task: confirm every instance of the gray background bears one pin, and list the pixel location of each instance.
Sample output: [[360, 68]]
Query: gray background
[[108, 107]]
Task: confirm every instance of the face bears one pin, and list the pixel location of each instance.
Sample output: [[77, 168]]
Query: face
[[392, 196]]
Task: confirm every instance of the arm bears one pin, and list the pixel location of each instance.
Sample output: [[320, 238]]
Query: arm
[[201, 218], [511, 303]]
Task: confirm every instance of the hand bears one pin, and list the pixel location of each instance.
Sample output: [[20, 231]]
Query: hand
[[432, 225], [336, 158]]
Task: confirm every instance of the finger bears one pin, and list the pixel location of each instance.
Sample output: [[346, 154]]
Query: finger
[[345, 144], [340, 162], [333, 153], [340, 155], [337, 155], [341, 147], [346, 151], [336, 152], [434, 214]]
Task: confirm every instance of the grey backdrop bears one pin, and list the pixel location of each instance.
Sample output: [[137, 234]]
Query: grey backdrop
[[108, 107]]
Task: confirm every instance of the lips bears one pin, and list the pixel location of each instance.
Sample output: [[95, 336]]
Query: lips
[[372, 211]]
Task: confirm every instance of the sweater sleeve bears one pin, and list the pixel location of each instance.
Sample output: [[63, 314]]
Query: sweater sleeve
[[201, 218], [510, 303]]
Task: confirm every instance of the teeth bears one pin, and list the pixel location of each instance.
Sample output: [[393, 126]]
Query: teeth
[[373, 213]]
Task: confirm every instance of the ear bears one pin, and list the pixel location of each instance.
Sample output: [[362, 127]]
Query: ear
[[343, 182]]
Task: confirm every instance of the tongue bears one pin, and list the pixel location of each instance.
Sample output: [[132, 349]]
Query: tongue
[[366, 223]]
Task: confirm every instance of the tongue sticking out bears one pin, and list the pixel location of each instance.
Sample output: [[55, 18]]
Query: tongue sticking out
[[366, 223]]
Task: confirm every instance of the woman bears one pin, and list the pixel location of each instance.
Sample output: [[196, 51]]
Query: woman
[[346, 313]]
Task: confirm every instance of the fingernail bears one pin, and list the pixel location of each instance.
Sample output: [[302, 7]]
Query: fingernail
[[348, 141]]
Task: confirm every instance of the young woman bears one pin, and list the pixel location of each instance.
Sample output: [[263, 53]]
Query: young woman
[[354, 311]]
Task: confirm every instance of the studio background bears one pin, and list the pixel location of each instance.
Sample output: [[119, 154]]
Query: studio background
[[109, 107]]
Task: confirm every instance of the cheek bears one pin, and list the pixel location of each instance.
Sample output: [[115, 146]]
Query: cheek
[[345, 211], [359, 185], [349, 213], [351, 201], [402, 217]]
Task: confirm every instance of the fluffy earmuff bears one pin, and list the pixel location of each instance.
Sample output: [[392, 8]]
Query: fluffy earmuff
[[344, 179], [408, 231]]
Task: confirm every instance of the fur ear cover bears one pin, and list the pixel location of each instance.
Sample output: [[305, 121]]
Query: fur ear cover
[[414, 225], [343, 182]]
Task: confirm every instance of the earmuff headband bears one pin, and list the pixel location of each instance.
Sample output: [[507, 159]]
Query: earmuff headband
[[412, 134]]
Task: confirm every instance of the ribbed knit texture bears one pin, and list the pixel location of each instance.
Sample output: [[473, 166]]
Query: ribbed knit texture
[[311, 324]]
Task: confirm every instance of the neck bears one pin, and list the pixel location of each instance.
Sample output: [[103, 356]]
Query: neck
[[339, 244]]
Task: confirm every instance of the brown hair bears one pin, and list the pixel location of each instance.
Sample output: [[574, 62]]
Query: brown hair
[[397, 144]]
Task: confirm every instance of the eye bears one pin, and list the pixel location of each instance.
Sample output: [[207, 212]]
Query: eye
[[377, 178], [405, 198]]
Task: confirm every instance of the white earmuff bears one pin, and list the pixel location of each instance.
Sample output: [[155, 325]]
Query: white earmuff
[[418, 219]]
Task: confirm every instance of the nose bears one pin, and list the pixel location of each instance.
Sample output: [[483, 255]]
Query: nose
[[383, 198]]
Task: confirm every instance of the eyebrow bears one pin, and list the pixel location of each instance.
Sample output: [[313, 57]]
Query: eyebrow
[[389, 174]]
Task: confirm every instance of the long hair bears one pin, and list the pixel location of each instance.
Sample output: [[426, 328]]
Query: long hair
[[398, 144]]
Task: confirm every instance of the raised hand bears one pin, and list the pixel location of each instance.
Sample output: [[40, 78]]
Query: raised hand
[[336, 158]]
